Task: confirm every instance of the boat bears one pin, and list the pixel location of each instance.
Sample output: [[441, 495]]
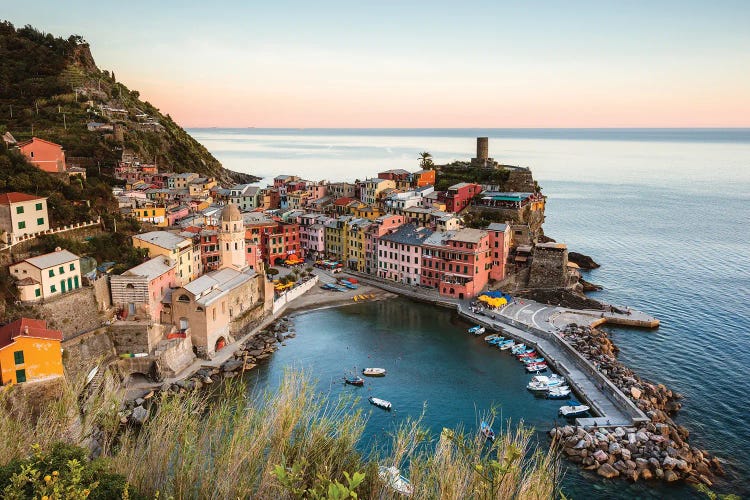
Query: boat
[[380, 403], [531, 361], [374, 372], [491, 337], [476, 330], [518, 349], [349, 285], [540, 367], [543, 383], [574, 409], [487, 431], [525, 355], [392, 477], [562, 392], [507, 345], [497, 341], [355, 380]]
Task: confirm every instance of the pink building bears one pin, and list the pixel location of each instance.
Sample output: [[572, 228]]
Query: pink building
[[45, 155], [500, 248], [177, 213], [312, 234], [457, 263], [379, 227], [138, 292], [400, 254]]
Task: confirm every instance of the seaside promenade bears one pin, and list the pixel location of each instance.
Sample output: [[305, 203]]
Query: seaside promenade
[[537, 325]]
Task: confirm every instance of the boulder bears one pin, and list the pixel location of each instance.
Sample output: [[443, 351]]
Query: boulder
[[631, 474], [625, 453], [600, 456], [232, 365], [646, 474], [139, 415], [614, 448], [635, 392], [619, 432], [670, 476], [668, 463], [607, 471], [705, 480], [580, 444]]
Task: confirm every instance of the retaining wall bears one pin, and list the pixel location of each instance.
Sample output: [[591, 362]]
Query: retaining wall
[[292, 294]]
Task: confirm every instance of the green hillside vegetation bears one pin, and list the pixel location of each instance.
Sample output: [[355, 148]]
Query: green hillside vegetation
[[51, 88], [453, 173]]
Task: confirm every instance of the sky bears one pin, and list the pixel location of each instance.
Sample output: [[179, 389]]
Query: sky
[[452, 64]]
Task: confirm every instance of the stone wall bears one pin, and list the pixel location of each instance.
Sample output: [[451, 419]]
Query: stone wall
[[20, 250], [72, 312], [83, 353], [133, 337], [173, 357], [549, 268], [292, 294]]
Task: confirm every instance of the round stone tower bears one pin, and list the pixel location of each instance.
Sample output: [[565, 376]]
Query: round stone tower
[[483, 148], [232, 238]]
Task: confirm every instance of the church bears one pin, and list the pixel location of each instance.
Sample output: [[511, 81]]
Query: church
[[215, 307]]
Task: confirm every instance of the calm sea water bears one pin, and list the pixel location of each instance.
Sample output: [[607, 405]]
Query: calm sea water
[[665, 212]]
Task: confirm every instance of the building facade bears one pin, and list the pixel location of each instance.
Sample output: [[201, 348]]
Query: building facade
[[29, 352], [47, 276], [22, 214]]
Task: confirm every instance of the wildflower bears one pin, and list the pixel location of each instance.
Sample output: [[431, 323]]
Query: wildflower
[[86, 492], [45, 497], [47, 478], [55, 473]]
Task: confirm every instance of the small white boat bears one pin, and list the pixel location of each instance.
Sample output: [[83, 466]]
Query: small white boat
[[380, 403], [476, 330], [490, 337], [392, 477], [574, 409], [374, 372], [509, 345], [543, 383], [561, 392]]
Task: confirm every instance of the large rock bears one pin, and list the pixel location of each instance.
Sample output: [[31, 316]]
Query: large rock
[[607, 471], [668, 463], [646, 474], [635, 392], [232, 365], [625, 454], [670, 476], [614, 448], [139, 415], [601, 456]]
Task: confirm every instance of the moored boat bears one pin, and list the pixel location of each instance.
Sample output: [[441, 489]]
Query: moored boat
[[392, 477], [574, 409], [507, 345], [487, 431], [531, 361], [355, 380], [380, 403], [539, 367], [543, 383], [491, 337], [374, 372], [476, 330], [562, 392], [518, 349]]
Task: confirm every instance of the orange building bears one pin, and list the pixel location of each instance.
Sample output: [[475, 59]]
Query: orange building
[[423, 178], [29, 351], [45, 155]]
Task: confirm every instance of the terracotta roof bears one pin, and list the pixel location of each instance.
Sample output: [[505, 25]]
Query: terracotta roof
[[27, 327], [344, 200], [26, 143], [15, 197]]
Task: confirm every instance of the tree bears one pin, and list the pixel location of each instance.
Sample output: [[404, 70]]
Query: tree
[[425, 160]]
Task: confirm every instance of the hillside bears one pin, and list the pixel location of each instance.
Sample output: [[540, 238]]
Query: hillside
[[50, 87]]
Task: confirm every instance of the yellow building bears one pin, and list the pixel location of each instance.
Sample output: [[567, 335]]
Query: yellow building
[[174, 246], [336, 238], [29, 352], [151, 214], [355, 245], [373, 188], [201, 186], [366, 212]]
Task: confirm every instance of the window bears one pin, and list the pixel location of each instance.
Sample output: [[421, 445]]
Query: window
[[38, 206], [61, 269], [20, 376], [184, 298], [18, 357], [37, 293], [51, 273], [40, 221], [19, 210], [21, 225], [52, 288], [72, 267]]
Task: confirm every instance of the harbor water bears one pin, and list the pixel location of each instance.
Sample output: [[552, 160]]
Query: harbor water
[[664, 211]]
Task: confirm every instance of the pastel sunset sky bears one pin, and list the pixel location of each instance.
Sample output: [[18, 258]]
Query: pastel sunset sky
[[544, 63]]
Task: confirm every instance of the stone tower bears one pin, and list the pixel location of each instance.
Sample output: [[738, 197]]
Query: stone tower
[[483, 148], [232, 238]]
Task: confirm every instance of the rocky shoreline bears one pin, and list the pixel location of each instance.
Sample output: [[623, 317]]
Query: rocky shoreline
[[658, 450], [255, 349]]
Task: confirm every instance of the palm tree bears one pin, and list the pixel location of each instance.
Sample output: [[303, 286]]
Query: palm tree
[[425, 160]]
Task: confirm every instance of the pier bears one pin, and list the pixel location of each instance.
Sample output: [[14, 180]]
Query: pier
[[537, 325]]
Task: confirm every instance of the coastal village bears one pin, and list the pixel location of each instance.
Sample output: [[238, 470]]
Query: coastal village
[[224, 263]]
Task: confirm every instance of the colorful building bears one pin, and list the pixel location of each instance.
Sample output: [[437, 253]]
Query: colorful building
[[47, 276], [29, 351], [138, 292], [373, 187], [151, 214], [336, 237], [357, 244], [459, 196], [457, 263], [45, 155], [423, 178], [400, 254], [380, 226], [22, 214], [500, 237], [312, 234], [174, 246]]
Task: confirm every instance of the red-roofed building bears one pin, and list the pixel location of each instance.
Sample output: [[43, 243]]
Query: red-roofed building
[[45, 155], [29, 351], [22, 214], [459, 196]]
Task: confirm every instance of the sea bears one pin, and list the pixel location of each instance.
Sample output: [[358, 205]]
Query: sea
[[666, 212]]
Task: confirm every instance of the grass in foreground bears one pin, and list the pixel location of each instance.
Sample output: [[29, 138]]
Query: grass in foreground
[[293, 443]]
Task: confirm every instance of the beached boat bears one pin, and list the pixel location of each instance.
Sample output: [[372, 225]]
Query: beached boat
[[476, 330], [392, 477], [374, 372], [349, 285], [380, 403], [562, 392], [355, 380], [574, 409], [487, 431]]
